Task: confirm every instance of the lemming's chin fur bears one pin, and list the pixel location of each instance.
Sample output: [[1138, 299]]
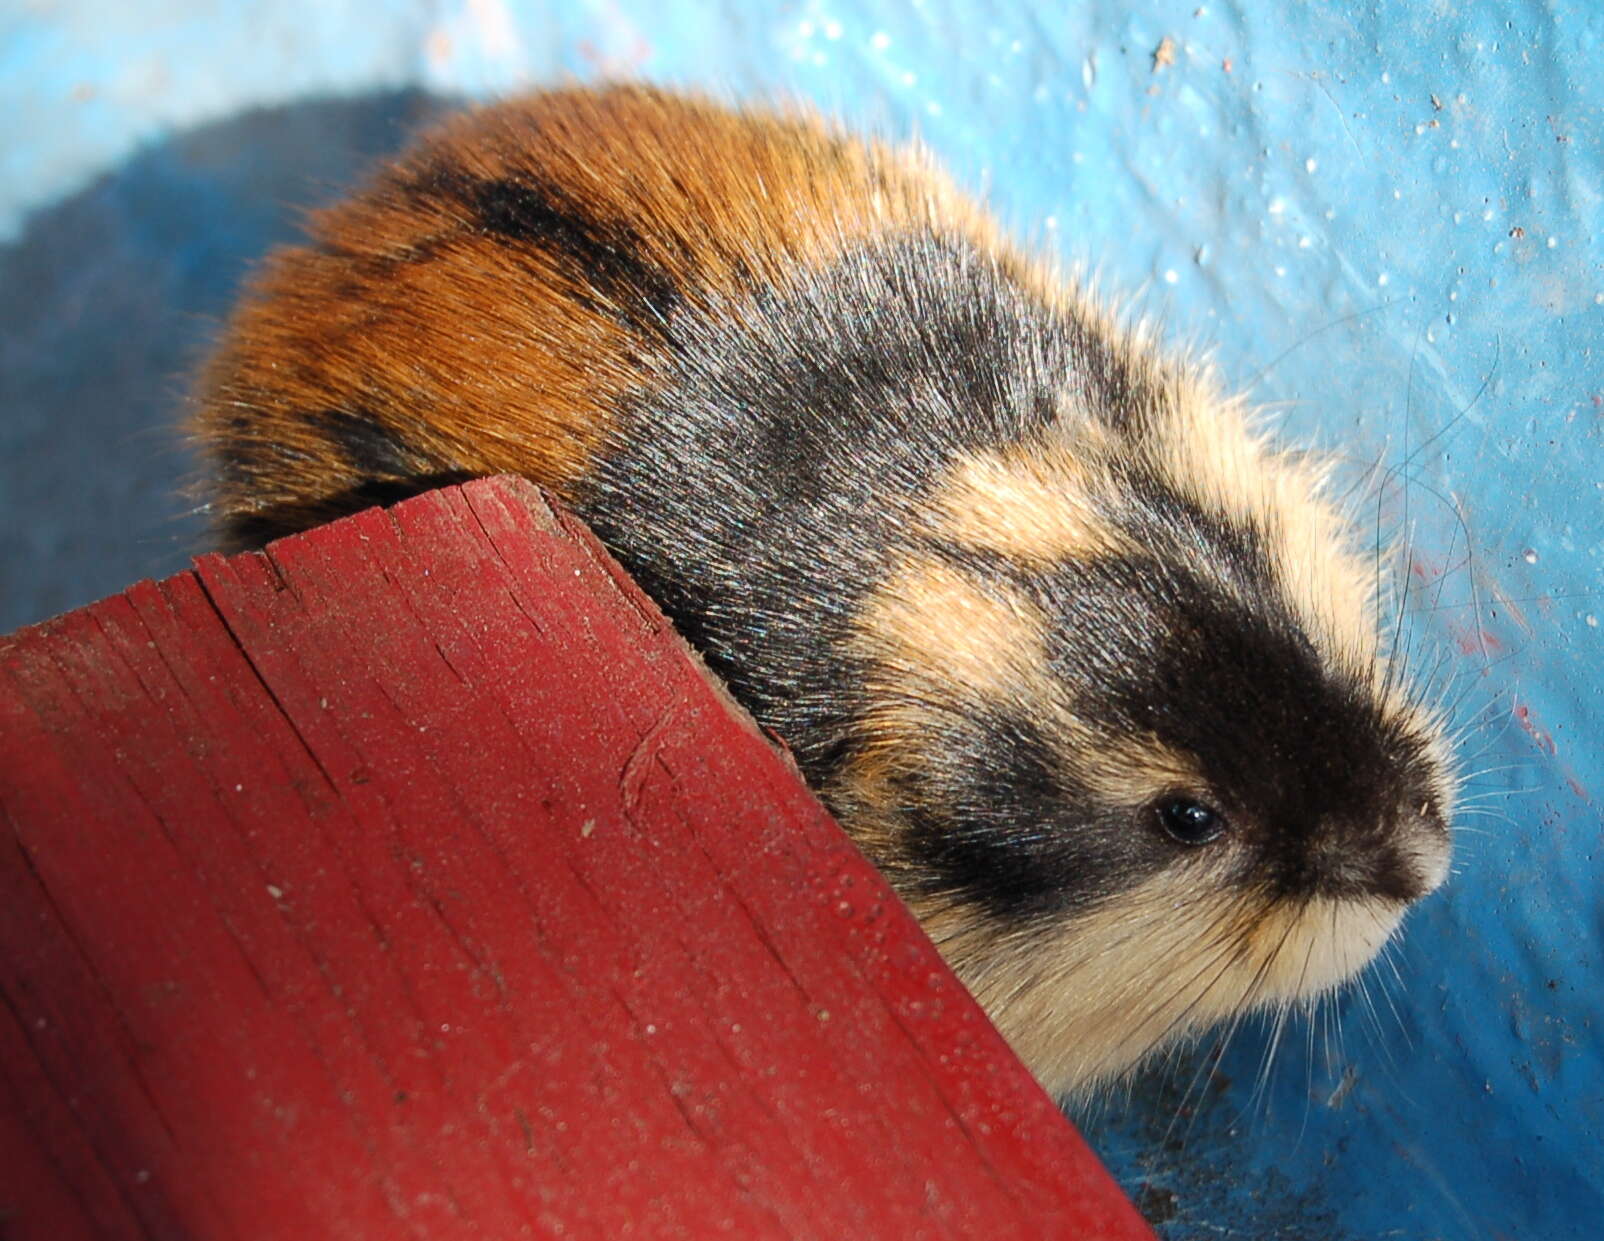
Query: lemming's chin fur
[[1087, 665]]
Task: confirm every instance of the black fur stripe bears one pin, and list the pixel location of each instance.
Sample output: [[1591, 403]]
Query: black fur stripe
[[998, 818], [370, 446], [251, 529], [604, 257]]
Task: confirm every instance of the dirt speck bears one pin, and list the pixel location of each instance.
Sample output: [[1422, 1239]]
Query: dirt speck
[[1157, 1204]]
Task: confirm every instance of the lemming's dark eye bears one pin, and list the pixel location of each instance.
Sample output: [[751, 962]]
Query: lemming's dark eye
[[1188, 821]]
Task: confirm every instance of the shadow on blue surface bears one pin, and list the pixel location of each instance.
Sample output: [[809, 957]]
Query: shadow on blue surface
[[107, 302]]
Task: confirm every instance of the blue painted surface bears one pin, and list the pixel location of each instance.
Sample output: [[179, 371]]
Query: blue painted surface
[[1385, 215]]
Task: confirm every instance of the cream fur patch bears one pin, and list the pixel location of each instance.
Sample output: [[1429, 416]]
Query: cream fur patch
[[1033, 502], [1085, 1002], [938, 623]]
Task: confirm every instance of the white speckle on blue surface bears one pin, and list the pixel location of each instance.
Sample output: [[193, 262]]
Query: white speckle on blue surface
[[879, 40]]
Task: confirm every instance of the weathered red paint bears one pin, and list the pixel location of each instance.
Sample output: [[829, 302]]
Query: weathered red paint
[[413, 880]]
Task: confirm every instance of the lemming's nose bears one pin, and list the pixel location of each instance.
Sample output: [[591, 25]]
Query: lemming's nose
[[1426, 843]]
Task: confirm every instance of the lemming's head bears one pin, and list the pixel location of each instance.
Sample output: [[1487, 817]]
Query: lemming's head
[[1134, 753]]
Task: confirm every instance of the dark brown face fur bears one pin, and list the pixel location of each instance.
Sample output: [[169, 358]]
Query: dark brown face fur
[[1082, 663]]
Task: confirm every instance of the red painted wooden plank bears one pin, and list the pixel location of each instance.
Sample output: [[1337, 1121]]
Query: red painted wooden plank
[[413, 880]]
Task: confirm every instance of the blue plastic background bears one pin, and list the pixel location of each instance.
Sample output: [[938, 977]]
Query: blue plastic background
[[1385, 216]]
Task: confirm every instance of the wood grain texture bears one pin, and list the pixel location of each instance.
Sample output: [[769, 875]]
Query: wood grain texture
[[411, 879]]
